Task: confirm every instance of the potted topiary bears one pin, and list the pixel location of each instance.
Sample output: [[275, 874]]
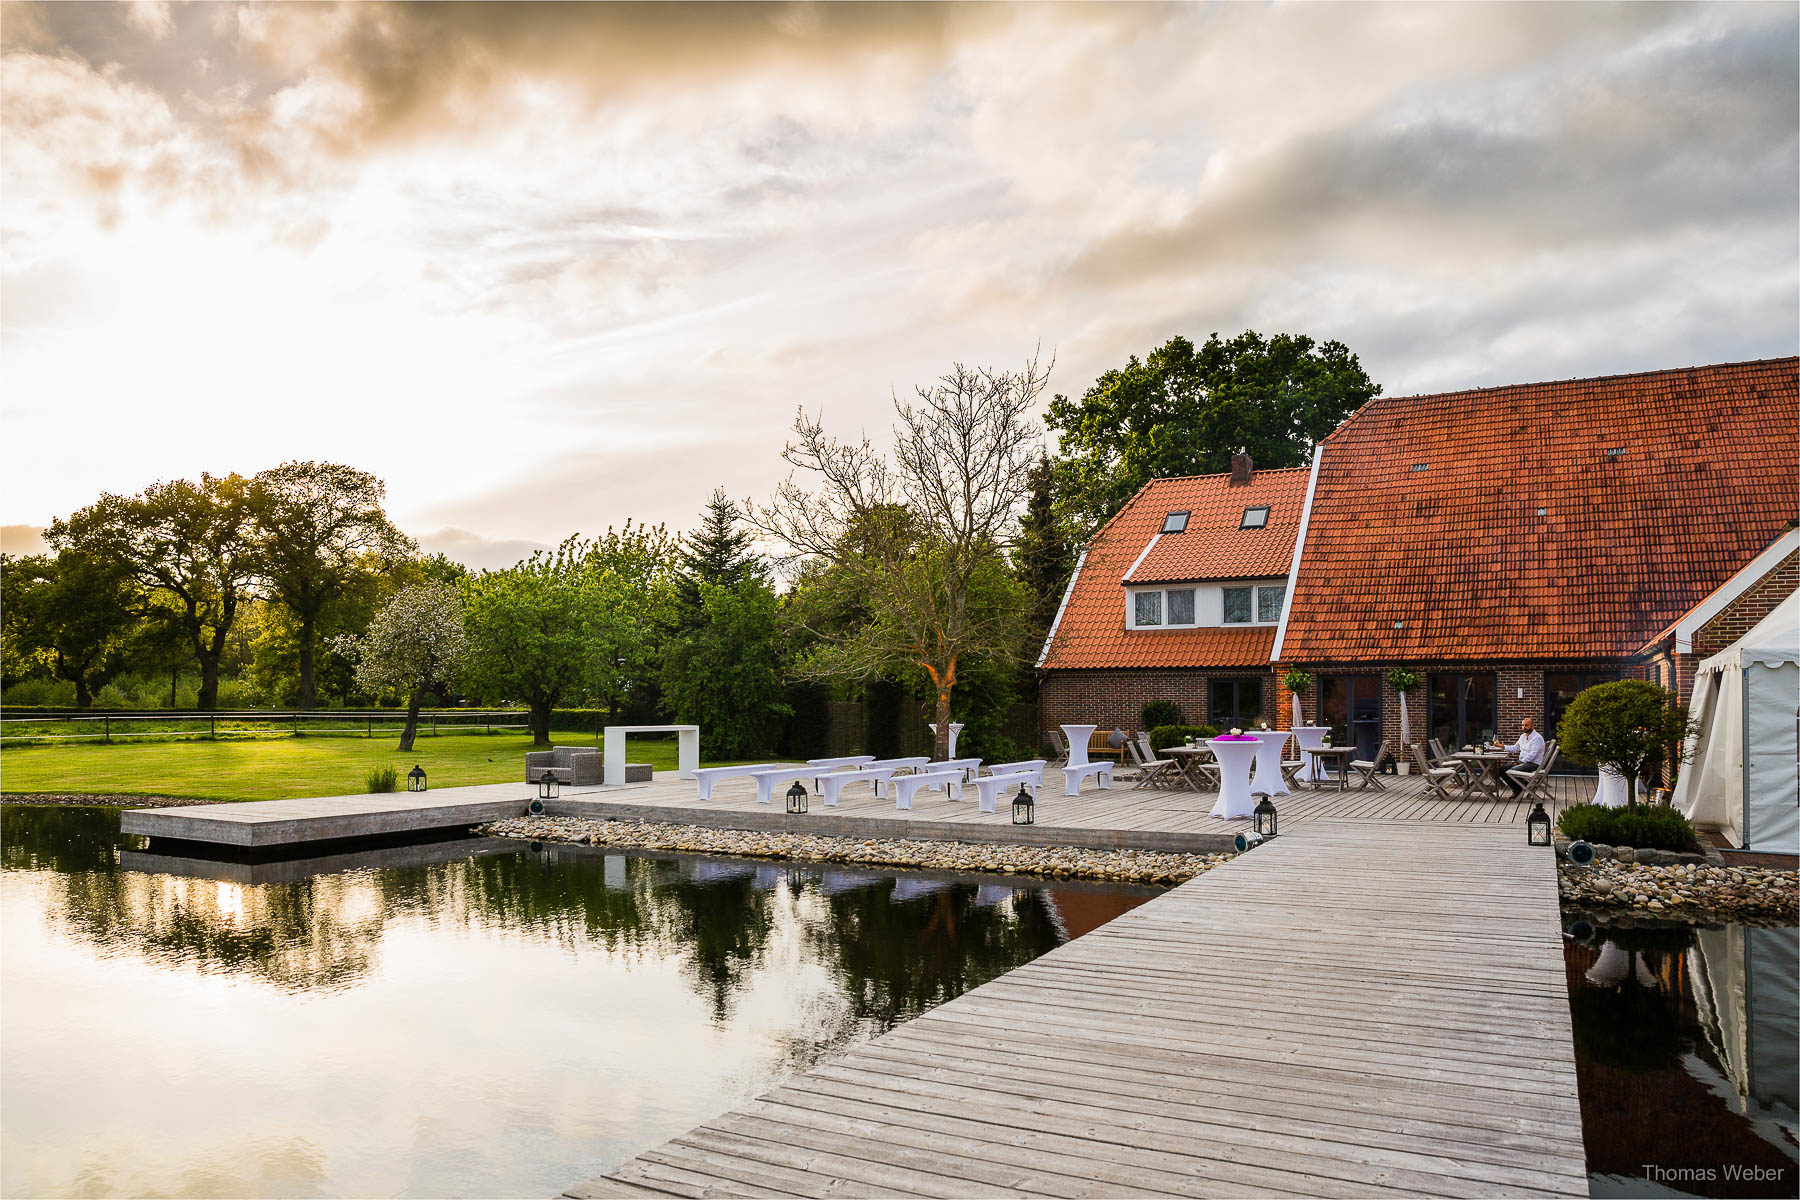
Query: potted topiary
[[1632, 726], [1403, 681], [1296, 681]]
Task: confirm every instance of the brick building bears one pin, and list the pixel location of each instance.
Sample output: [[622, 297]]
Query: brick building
[[1510, 545]]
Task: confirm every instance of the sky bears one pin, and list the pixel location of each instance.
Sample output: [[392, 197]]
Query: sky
[[544, 268]]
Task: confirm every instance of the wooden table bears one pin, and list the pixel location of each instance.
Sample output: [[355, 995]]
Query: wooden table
[[1337, 754], [1188, 760], [1488, 764]]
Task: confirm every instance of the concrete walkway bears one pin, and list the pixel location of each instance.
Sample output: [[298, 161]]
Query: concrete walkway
[[1366, 1007]]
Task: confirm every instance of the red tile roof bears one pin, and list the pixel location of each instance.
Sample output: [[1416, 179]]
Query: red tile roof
[[1655, 488], [1092, 633]]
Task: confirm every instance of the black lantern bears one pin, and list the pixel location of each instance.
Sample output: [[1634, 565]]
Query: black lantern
[[549, 787], [1024, 807], [415, 779], [1264, 812], [1537, 826], [796, 799]]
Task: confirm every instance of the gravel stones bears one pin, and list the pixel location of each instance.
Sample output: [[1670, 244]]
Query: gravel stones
[[1684, 888], [1067, 862], [56, 799]]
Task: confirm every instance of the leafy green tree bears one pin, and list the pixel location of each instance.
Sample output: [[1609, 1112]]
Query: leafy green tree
[[414, 643], [71, 615], [725, 674], [319, 527], [718, 552], [918, 545], [1043, 556], [191, 542], [1632, 726], [1186, 409]]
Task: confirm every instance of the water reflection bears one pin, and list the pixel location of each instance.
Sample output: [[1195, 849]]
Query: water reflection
[[464, 1018], [1685, 1051]]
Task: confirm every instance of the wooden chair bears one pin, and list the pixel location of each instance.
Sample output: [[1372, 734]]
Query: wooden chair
[[1439, 758], [1536, 783], [1060, 744], [1369, 772], [1153, 772], [1438, 779]]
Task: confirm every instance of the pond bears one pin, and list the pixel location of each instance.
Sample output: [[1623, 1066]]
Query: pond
[[468, 1017], [1686, 1056]]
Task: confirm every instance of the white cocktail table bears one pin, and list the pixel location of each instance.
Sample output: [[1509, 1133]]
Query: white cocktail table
[[1078, 736], [1234, 758], [1611, 790], [1311, 737], [1271, 744], [955, 728]]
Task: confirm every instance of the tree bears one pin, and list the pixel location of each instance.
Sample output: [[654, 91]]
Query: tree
[[318, 526], [1186, 409], [414, 644], [1043, 556], [718, 552], [72, 616], [725, 674], [917, 544], [188, 541], [1631, 726]]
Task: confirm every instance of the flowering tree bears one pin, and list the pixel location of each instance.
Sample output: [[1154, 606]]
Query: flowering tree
[[413, 643]]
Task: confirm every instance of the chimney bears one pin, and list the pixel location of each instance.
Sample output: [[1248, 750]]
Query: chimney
[[1241, 468]]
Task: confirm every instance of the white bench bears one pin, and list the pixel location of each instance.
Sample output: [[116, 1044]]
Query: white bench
[[832, 785], [1076, 772], [835, 764], [705, 777], [990, 786], [1031, 766], [896, 765], [969, 766], [905, 785], [767, 779]]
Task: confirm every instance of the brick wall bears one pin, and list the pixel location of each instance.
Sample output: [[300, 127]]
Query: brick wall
[[1115, 699], [1742, 614]]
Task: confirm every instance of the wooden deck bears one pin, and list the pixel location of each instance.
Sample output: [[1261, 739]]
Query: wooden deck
[[1369, 1006]]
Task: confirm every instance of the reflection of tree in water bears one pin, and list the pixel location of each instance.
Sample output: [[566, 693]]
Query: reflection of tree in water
[[1626, 1007]]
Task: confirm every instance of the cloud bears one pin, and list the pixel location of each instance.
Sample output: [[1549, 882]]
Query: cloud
[[23, 539], [476, 552]]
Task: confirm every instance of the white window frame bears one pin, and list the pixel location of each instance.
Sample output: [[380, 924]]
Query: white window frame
[[1208, 604]]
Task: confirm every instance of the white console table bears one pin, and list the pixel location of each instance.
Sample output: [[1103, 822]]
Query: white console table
[[687, 749]]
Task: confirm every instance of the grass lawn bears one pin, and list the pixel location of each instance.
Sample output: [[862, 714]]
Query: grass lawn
[[273, 768]]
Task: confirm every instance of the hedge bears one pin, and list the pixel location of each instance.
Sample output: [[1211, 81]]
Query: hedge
[[1645, 827], [1164, 736]]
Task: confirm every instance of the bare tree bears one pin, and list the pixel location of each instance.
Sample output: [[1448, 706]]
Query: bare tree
[[917, 545]]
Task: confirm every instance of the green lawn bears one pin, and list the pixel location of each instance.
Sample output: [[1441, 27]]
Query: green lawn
[[273, 768]]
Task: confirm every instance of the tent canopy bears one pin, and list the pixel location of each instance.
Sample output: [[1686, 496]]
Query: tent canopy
[[1742, 776]]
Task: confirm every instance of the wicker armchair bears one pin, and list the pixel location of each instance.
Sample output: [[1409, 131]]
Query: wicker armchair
[[573, 765]]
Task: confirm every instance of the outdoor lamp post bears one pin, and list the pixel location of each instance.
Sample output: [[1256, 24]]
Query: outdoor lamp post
[[415, 779], [1264, 812], [1024, 807], [549, 787], [796, 799], [1537, 826]]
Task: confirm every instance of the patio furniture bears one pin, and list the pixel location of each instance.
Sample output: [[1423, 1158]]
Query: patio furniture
[[1153, 772], [1441, 759], [1076, 748], [899, 766], [833, 785], [1060, 745], [1100, 746], [970, 767], [1308, 737], [687, 750], [576, 766], [1198, 769], [1438, 779], [988, 787], [1484, 771], [1369, 771], [705, 777], [1074, 773], [1235, 757], [904, 786], [1268, 779], [955, 728], [1536, 784], [1337, 756], [766, 780]]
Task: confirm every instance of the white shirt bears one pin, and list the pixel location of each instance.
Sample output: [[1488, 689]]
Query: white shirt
[[1529, 748]]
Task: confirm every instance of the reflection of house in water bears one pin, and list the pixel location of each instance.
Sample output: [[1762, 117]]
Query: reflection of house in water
[[702, 870], [1078, 911], [1745, 991], [836, 883]]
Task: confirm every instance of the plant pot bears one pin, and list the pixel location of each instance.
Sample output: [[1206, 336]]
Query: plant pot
[[1403, 767]]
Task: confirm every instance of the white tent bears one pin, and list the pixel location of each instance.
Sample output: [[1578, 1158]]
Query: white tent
[[1741, 775]]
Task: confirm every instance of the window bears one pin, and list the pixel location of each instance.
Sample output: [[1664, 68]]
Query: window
[[1461, 709], [1255, 518], [1149, 608], [1175, 522], [1181, 606], [1234, 702], [1237, 605], [1268, 602], [1351, 705], [1559, 689]]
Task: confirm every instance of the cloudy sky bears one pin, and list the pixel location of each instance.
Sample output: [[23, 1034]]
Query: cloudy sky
[[545, 268]]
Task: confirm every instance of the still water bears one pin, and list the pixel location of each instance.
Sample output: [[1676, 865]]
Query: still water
[[471, 1018], [1686, 1056]]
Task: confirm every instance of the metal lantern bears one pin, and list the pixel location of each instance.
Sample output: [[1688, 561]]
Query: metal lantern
[[415, 779], [1264, 812], [549, 787], [1537, 826], [1024, 807], [796, 799]]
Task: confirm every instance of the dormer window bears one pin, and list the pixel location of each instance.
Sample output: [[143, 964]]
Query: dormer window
[[1175, 522], [1255, 517]]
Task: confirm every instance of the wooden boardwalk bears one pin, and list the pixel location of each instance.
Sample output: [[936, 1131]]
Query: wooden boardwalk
[[1369, 1006]]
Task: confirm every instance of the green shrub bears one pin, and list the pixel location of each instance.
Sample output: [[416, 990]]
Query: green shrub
[[1642, 828], [1630, 725], [1164, 736], [382, 779], [1158, 713]]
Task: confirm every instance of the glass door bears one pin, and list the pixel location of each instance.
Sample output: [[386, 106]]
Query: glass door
[[1351, 705], [1462, 710], [1235, 703], [1560, 688]]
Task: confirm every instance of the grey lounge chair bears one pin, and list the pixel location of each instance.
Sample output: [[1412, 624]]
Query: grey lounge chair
[[1060, 744], [1438, 779], [1536, 784], [1369, 772], [575, 766], [1152, 771]]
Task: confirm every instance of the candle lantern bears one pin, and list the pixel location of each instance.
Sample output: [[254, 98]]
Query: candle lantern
[[1537, 826], [549, 787], [415, 779], [796, 799], [1264, 813], [1024, 807]]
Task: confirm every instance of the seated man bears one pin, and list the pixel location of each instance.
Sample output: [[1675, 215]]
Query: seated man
[[1530, 749]]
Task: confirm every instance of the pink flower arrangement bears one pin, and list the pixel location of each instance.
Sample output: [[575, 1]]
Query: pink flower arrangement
[[1235, 737]]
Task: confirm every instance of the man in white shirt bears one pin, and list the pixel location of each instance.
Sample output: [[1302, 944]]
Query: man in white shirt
[[1530, 749]]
